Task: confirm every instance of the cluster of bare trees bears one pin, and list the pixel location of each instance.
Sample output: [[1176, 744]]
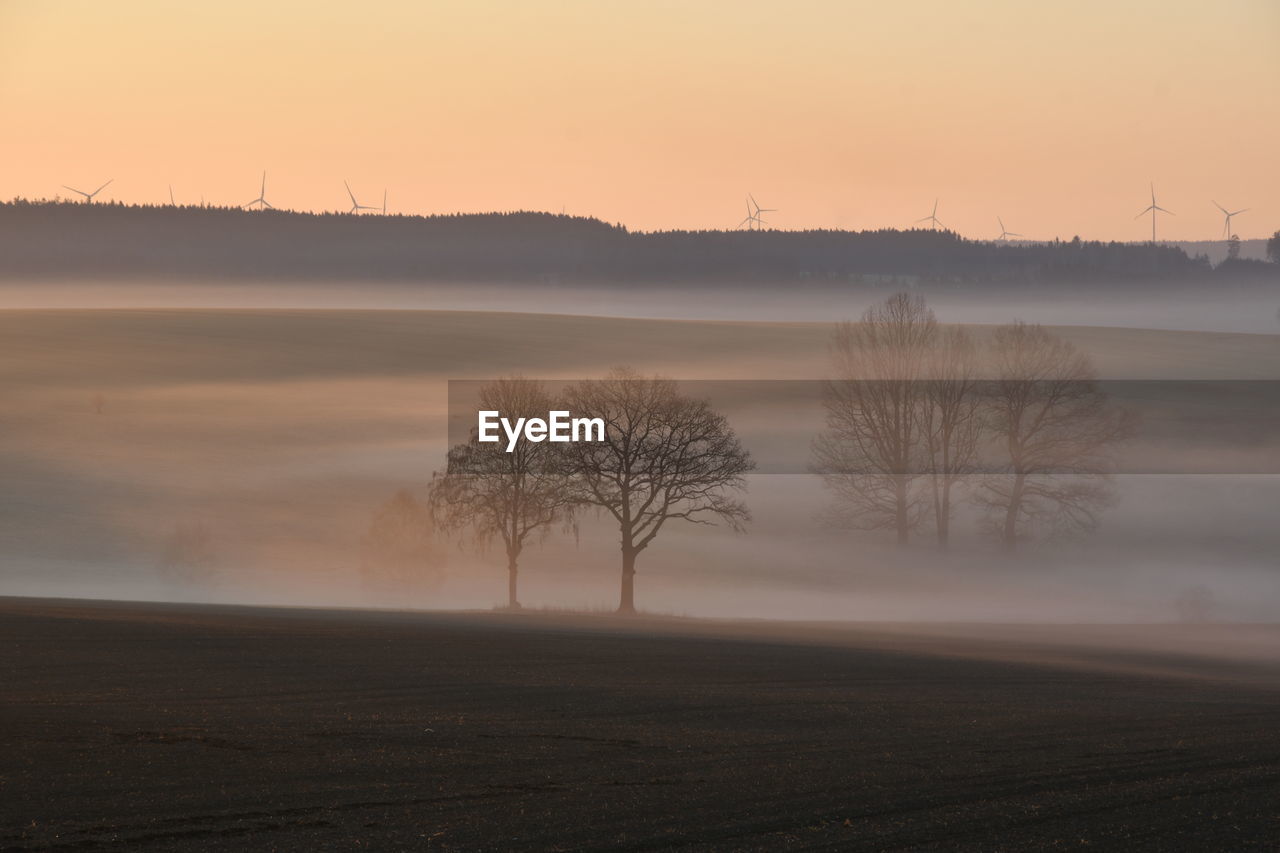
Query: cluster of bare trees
[[917, 418], [664, 457], [917, 413]]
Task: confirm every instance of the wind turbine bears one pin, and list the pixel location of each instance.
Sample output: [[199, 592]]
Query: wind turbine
[[88, 197], [934, 222], [1153, 209], [760, 223], [261, 200], [1226, 226], [356, 206], [1005, 234], [753, 213]]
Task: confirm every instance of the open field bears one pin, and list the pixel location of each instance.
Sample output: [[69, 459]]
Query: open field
[[197, 728], [282, 431]]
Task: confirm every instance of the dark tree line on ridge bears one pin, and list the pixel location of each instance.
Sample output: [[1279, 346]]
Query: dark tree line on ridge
[[58, 239]]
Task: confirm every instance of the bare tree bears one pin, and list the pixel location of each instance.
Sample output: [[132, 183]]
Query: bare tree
[[664, 456], [871, 453], [950, 420], [513, 496], [1055, 431], [399, 550]]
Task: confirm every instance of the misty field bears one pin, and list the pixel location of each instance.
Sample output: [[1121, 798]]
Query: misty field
[[259, 444]]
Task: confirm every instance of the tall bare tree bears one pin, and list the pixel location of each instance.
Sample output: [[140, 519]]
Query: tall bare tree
[[513, 496], [871, 452], [1055, 432], [950, 420], [664, 456]]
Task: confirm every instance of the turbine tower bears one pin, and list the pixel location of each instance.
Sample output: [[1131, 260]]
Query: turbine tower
[[172, 203], [88, 197], [1227, 214], [384, 202], [356, 206], [261, 200], [1153, 209], [934, 222], [1005, 233]]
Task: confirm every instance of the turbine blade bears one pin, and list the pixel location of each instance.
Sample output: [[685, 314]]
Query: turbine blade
[[1238, 212], [350, 193], [1220, 207], [103, 187], [74, 190]]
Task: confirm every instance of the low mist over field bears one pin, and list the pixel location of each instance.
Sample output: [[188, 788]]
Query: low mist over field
[[1250, 310], [242, 456]]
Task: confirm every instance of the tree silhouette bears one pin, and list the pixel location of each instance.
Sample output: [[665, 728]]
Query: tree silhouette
[[664, 456], [514, 497], [1055, 431], [950, 420], [871, 452]]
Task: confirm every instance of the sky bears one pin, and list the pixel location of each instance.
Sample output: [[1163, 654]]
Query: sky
[[1053, 116]]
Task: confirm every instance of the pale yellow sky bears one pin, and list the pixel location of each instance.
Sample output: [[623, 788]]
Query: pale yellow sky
[[1052, 115]]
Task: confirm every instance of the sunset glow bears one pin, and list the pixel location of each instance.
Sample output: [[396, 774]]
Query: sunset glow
[[661, 114]]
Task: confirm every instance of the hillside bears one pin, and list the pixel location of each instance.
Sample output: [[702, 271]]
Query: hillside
[[55, 240]]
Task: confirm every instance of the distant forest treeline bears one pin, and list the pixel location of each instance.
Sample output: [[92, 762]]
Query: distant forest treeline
[[71, 240]]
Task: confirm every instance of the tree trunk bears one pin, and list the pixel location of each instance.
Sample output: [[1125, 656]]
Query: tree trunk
[[900, 489], [944, 516], [512, 601], [1010, 537], [627, 603]]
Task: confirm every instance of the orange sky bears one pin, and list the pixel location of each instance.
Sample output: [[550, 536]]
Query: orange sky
[[656, 114]]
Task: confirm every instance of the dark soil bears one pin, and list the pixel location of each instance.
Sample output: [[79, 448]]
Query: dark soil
[[217, 728]]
